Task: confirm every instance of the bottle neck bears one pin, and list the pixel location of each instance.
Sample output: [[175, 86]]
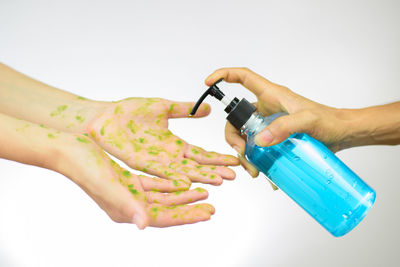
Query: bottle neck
[[253, 125]]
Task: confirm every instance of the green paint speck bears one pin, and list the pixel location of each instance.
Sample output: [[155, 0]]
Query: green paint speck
[[80, 119], [184, 161], [195, 151], [58, 111], [126, 173], [200, 190], [86, 134], [83, 140], [178, 193], [51, 136], [102, 130], [175, 182], [171, 107], [179, 142]]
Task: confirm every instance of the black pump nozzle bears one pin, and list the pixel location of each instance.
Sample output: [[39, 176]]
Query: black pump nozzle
[[214, 91], [239, 111]]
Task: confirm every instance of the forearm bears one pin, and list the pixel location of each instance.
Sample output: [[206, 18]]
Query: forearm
[[31, 144], [25, 98], [377, 125]]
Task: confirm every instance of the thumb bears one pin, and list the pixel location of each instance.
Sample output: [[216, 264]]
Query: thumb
[[281, 128]]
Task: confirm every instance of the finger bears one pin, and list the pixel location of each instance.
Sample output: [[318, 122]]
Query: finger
[[161, 185], [281, 128], [178, 197], [252, 81], [161, 170], [250, 168], [188, 167], [234, 139], [183, 109], [224, 172], [204, 157], [164, 216]]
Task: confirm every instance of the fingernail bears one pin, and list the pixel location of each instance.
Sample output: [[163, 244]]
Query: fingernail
[[237, 149], [264, 138]]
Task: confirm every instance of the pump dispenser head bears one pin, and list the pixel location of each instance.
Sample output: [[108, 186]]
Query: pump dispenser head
[[239, 112]]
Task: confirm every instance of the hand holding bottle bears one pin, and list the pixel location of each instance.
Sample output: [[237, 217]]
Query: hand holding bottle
[[336, 128]]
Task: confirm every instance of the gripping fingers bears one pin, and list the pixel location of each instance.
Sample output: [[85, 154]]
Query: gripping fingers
[[164, 216], [178, 197]]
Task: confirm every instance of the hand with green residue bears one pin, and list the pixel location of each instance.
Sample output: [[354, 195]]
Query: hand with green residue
[[124, 196], [135, 130]]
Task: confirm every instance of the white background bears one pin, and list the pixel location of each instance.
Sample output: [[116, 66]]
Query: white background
[[339, 53]]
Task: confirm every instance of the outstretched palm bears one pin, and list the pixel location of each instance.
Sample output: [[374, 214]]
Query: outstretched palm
[[136, 131]]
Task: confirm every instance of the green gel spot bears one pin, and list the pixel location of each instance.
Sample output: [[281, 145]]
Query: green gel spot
[[184, 162], [212, 176], [93, 133], [133, 191], [41, 125], [171, 107], [174, 216], [213, 168], [199, 167], [118, 110], [154, 212], [51, 136], [168, 173], [195, 151], [141, 140], [83, 140], [58, 111], [86, 134], [178, 193], [102, 130], [200, 190], [80, 119], [203, 174], [157, 121], [81, 98], [132, 126], [179, 142], [175, 182], [208, 156], [126, 174], [153, 150]]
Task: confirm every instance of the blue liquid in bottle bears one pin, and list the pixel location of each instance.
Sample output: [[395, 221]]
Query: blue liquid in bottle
[[309, 173]]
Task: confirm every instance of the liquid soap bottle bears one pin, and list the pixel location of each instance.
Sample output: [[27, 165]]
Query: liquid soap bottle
[[304, 168]]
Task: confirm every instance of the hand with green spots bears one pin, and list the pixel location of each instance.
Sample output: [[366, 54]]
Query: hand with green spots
[[124, 196], [129, 198], [135, 130]]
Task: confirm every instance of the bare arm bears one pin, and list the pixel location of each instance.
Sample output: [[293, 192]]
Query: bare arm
[[25, 98]]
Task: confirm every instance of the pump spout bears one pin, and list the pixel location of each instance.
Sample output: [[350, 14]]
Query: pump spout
[[214, 91]]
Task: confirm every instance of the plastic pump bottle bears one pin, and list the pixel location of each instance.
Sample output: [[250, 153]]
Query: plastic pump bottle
[[302, 167]]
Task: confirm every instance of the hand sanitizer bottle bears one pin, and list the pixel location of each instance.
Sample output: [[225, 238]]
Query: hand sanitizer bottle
[[304, 168]]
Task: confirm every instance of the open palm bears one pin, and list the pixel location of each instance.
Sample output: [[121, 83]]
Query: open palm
[[135, 130]]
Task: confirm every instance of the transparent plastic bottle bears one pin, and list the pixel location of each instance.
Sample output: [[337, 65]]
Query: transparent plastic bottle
[[302, 167], [309, 173]]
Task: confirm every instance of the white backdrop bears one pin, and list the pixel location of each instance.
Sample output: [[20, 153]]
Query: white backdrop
[[339, 53]]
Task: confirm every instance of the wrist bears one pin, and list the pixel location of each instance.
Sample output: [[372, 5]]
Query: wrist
[[356, 131]]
